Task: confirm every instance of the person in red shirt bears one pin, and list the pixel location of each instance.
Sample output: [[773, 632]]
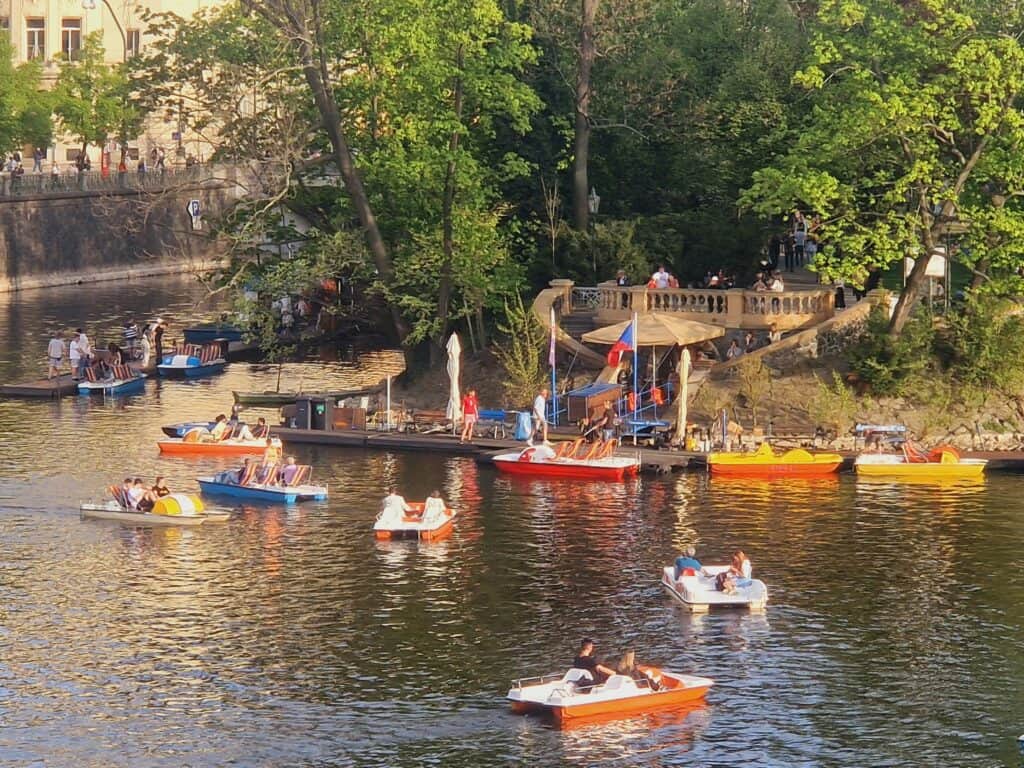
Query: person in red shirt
[[470, 414]]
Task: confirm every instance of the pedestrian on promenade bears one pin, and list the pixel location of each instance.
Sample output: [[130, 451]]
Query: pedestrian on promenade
[[131, 336], [55, 356], [470, 415], [54, 174], [540, 421], [37, 160]]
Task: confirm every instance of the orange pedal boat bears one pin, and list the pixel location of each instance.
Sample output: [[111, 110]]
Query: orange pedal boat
[[571, 697], [182, 446]]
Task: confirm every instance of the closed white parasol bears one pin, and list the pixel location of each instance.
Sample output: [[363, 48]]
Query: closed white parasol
[[454, 409]]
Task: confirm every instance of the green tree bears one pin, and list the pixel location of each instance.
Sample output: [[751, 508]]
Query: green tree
[[914, 135], [24, 108], [93, 100]]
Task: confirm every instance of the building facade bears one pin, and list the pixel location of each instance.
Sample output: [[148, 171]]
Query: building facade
[[53, 30]]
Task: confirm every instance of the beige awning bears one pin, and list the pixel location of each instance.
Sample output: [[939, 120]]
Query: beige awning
[[655, 329]]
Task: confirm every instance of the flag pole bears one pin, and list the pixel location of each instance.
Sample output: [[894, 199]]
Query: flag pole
[[636, 357], [551, 360]]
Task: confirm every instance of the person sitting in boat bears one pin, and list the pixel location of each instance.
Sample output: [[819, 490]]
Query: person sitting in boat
[[242, 472], [160, 488], [434, 507], [137, 492], [217, 432], [627, 666], [286, 474], [740, 567], [259, 432], [586, 660], [126, 493], [726, 582], [688, 560], [395, 507]]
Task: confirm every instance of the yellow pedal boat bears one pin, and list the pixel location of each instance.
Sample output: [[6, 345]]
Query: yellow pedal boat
[[764, 461]]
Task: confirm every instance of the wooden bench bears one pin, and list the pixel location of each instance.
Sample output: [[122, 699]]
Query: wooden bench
[[428, 421]]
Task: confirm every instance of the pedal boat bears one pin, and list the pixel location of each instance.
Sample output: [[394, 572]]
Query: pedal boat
[[220, 485], [570, 460], [570, 697], [193, 446], [193, 361], [180, 430], [943, 463], [177, 509], [128, 382], [389, 525], [697, 592], [765, 462]]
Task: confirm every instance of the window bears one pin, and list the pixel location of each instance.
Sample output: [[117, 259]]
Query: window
[[133, 42], [35, 40], [5, 24], [71, 38]]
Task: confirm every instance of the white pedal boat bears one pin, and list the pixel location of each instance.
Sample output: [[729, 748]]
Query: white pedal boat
[[570, 697], [111, 510], [697, 592], [392, 524]]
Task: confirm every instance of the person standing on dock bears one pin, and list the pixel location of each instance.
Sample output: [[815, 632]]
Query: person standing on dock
[[470, 415], [159, 328], [55, 355], [84, 352], [540, 421]]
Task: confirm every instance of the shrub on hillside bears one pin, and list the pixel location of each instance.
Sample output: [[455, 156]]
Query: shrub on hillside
[[987, 340], [893, 366]]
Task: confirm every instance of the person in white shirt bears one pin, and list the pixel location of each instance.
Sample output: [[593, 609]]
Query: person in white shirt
[[540, 421], [55, 356], [395, 508], [776, 285], [433, 509], [660, 278], [75, 357], [84, 352]]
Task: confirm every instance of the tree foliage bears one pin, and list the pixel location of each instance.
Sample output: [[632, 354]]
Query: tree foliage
[[24, 108], [914, 135]]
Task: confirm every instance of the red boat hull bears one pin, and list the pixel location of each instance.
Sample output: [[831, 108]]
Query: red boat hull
[[567, 470]]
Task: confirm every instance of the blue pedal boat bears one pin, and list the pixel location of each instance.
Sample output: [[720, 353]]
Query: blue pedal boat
[[127, 385], [193, 365], [213, 486]]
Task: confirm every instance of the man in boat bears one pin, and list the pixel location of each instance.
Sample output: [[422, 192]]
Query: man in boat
[[220, 426], [137, 493], [242, 472], [126, 493], [586, 659], [287, 473], [259, 432], [688, 560]]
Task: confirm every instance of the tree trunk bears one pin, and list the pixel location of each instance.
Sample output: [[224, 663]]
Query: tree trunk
[[315, 72], [444, 292], [581, 144], [908, 297]]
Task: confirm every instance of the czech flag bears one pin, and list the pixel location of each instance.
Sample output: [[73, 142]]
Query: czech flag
[[623, 345]]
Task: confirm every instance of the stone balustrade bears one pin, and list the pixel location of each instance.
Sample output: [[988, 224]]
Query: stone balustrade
[[733, 308]]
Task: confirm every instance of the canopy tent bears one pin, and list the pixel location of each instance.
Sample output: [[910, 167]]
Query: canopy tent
[[657, 330]]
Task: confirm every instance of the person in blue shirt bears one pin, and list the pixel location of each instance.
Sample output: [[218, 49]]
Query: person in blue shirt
[[687, 560]]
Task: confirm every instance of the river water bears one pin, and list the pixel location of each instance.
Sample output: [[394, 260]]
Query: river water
[[290, 637]]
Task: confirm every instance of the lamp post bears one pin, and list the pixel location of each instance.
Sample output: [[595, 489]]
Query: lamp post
[[104, 150], [593, 204]]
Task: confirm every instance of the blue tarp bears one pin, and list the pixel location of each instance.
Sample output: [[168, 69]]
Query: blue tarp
[[523, 425], [592, 390]]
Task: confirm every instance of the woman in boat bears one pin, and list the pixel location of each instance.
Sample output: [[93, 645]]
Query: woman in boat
[[220, 426], [726, 582], [741, 567], [149, 499], [160, 488], [137, 494], [434, 507]]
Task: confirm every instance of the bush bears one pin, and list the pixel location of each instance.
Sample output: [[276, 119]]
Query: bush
[[894, 366], [833, 405], [987, 340], [521, 353], [755, 383]]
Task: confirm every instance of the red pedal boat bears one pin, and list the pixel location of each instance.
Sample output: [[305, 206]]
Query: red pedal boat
[[571, 459]]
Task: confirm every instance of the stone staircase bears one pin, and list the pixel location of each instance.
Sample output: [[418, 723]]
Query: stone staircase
[[578, 323]]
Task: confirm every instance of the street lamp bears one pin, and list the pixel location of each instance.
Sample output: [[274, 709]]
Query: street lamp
[[593, 203]]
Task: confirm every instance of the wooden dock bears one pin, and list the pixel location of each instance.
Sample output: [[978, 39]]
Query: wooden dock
[[48, 389]]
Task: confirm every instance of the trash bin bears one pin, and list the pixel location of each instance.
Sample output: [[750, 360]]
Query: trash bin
[[523, 425]]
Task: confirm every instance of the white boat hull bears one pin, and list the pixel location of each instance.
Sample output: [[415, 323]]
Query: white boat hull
[[113, 511], [698, 593]]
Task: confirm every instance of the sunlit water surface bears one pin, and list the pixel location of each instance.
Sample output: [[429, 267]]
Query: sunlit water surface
[[290, 637]]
